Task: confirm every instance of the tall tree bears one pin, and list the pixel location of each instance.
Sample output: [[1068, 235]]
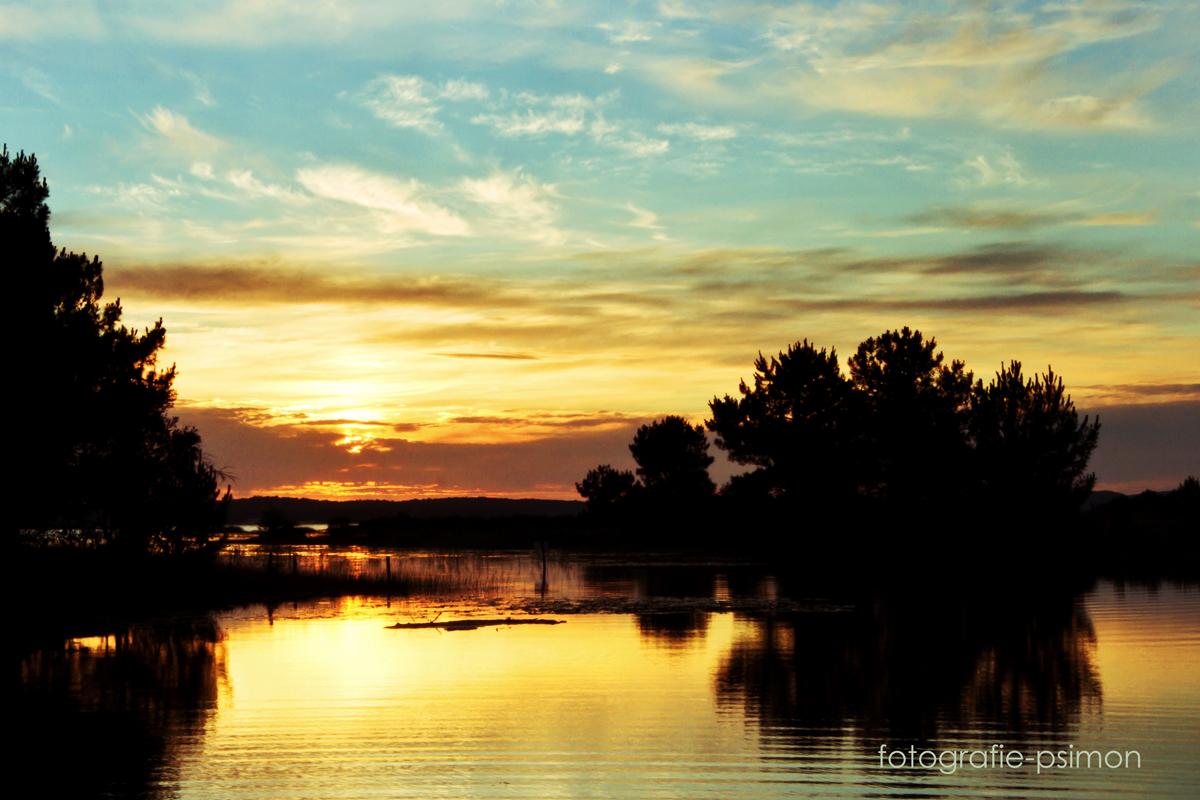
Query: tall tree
[[99, 451], [796, 425], [916, 416], [1031, 450]]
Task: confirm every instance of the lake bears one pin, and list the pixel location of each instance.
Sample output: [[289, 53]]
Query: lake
[[667, 678]]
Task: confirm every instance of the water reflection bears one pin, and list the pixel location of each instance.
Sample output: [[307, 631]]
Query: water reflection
[[673, 629], [687, 703], [917, 671], [113, 715]]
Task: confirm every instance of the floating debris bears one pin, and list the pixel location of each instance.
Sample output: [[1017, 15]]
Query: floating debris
[[474, 624], [672, 605]]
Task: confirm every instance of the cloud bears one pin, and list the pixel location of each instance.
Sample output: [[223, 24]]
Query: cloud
[[1002, 169], [518, 202], [256, 189], [199, 85], [629, 31], [703, 133], [553, 420], [264, 284], [569, 115], [995, 63], [637, 145], [534, 123], [176, 129], [38, 82], [1189, 390], [264, 458], [56, 19], [1086, 111], [1121, 218], [141, 195], [400, 201], [643, 218], [501, 356], [367, 423], [400, 100], [983, 218], [676, 9], [462, 89]]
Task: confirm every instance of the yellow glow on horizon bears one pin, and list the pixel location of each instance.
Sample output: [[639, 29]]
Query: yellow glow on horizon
[[378, 490]]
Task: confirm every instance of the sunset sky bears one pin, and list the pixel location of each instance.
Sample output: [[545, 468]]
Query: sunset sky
[[418, 249]]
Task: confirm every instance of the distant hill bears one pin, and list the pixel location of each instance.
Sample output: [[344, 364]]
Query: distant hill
[[247, 510], [1098, 498]]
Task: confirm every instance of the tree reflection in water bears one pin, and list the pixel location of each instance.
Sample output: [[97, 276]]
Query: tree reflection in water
[[114, 719], [916, 670]]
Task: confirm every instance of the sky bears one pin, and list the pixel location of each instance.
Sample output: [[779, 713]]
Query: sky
[[413, 249]]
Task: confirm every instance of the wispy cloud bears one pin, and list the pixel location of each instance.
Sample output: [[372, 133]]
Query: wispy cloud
[[977, 217], [500, 356], [959, 59], [1121, 218], [988, 218], [643, 218], [1001, 169], [534, 123], [253, 188], [462, 89], [704, 133], [199, 85], [401, 201], [251, 284], [175, 129], [401, 100], [521, 205], [629, 31], [38, 82]]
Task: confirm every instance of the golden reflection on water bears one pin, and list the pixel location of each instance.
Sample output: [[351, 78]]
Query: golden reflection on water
[[329, 707], [320, 700]]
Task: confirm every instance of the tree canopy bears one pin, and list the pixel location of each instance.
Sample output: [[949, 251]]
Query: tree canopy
[[913, 418], [1029, 442], [907, 431], [672, 473], [101, 454], [604, 489], [795, 425], [673, 460]]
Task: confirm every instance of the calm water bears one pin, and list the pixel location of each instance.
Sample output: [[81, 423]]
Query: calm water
[[680, 699]]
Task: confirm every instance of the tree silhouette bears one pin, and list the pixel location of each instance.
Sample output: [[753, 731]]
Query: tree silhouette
[[101, 454], [273, 523], [796, 425], [1030, 447], [605, 488], [673, 460], [915, 418], [906, 434]]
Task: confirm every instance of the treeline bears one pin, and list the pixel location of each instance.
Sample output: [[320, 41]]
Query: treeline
[[906, 436], [301, 510]]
